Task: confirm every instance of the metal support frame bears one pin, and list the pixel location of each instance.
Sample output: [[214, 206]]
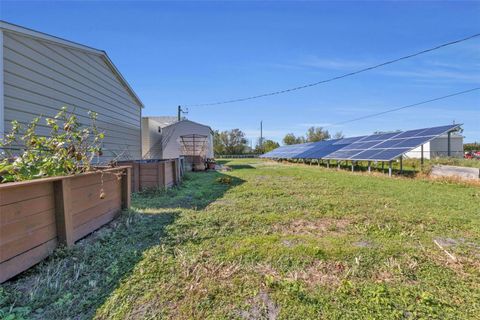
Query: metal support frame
[[353, 166], [390, 168], [401, 164], [338, 164], [421, 155], [328, 163], [369, 168], [449, 151]]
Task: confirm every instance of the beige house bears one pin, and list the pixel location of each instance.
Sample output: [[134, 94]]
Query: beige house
[[41, 73], [168, 138]]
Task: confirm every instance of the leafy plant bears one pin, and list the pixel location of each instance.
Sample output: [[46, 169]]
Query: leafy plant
[[68, 149]]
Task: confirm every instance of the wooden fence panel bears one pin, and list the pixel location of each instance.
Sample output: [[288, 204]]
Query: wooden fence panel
[[37, 215], [27, 227], [154, 175]]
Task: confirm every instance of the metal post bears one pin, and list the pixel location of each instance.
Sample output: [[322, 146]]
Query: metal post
[[328, 163], [401, 164], [353, 166], [383, 166], [390, 168], [338, 164], [369, 169], [448, 147], [318, 162], [421, 156]]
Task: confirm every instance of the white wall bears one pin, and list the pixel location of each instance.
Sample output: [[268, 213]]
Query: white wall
[[438, 147], [170, 136]]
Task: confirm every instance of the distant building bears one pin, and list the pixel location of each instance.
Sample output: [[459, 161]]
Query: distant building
[[40, 73], [438, 147], [168, 138]]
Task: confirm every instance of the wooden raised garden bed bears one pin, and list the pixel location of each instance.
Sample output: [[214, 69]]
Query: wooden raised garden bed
[[154, 174], [38, 215]]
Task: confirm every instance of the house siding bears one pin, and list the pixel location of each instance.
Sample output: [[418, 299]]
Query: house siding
[[40, 77]]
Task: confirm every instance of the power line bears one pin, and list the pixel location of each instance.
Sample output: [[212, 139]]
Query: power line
[[337, 77], [404, 107]]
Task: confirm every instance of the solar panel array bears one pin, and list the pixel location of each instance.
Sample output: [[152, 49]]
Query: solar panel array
[[375, 147]]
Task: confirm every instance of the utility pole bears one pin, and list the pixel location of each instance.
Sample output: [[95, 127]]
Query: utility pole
[[180, 111], [261, 135]]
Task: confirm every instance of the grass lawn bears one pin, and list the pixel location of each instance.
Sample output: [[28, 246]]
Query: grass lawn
[[270, 241]]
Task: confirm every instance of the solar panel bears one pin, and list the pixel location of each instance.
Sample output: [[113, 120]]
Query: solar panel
[[381, 147]]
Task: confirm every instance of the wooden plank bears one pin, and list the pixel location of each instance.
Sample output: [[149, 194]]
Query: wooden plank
[[20, 228], [151, 165], [126, 188], [149, 185], [164, 174], [136, 177], [149, 179], [92, 179], [18, 246], [23, 191], [148, 171], [98, 210], [22, 262], [88, 197], [94, 224], [22, 209], [63, 211]]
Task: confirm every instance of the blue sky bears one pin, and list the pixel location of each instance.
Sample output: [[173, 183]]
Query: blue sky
[[198, 52]]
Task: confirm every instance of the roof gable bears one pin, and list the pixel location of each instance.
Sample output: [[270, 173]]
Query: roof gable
[[9, 27]]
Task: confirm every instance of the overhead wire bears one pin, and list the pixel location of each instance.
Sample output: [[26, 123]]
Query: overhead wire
[[336, 77], [404, 107]]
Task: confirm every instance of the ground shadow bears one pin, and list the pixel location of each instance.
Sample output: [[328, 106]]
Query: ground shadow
[[72, 283], [234, 166], [197, 191]]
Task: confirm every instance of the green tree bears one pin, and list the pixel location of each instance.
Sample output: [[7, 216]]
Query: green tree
[[290, 139], [475, 146], [317, 134], [267, 146], [338, 135], [229, 142]]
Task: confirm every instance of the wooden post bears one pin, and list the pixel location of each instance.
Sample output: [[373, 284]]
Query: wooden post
[[126, 188], [63, 211], [165, 175], [175, 171], [136, 177]]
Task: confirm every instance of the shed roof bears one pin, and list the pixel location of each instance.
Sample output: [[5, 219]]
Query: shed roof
[[167, 121], [10, 27]]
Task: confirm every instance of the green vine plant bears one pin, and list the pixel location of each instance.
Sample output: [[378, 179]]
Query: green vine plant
[[68, 149]]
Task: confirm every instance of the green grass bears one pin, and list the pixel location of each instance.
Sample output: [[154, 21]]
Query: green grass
[[267, 241]]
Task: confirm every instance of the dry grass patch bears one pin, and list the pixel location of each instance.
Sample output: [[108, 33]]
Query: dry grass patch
[[319, 227], [321, 273]]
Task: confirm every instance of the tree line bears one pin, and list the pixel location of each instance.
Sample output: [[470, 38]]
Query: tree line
[[233, 142]]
